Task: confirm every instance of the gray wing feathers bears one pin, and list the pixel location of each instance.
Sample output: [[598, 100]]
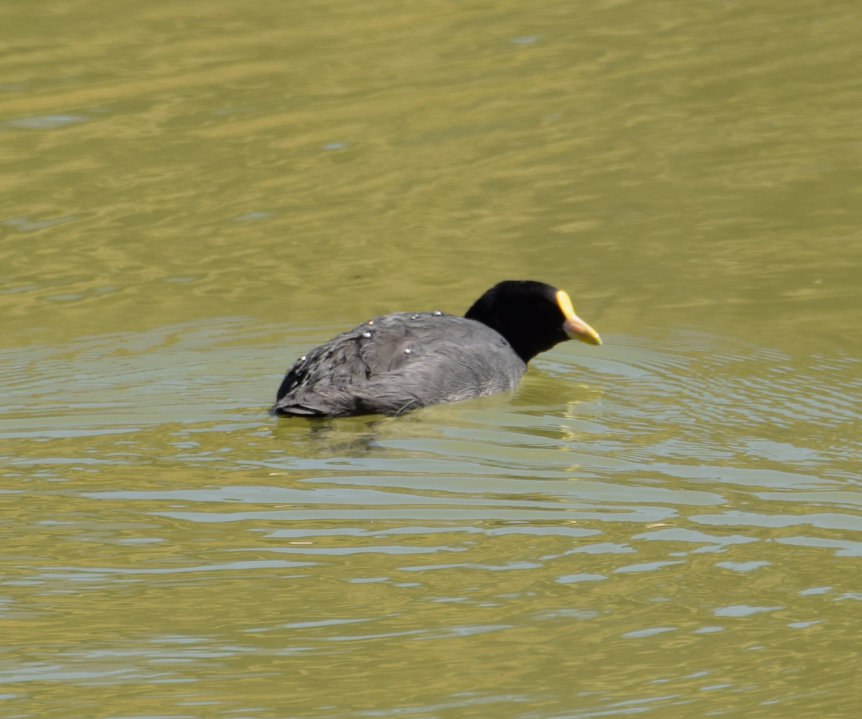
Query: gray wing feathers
[[400, 362]]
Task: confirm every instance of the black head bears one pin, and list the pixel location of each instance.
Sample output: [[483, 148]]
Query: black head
[[532, 316]]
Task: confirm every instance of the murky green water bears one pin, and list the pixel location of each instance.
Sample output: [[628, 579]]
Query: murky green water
[[194, 193]]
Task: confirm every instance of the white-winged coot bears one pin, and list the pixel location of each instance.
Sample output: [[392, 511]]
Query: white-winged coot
[[404, 360]]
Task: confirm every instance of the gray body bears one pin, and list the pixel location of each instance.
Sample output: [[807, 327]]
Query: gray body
[[399, 362]]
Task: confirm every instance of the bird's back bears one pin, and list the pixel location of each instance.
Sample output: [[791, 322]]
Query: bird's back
[[399, 362]]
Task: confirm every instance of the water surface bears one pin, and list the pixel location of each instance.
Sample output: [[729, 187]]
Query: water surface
[[194, 194]]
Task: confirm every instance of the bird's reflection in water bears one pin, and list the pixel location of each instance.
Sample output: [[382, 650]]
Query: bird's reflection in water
[[328, 437]]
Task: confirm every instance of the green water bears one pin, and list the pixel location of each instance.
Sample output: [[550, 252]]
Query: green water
[[192, 194]]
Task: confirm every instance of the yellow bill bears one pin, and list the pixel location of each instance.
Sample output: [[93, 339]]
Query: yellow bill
[[574, 326]]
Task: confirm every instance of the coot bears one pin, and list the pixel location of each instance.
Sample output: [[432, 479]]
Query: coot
[[402, 361]]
